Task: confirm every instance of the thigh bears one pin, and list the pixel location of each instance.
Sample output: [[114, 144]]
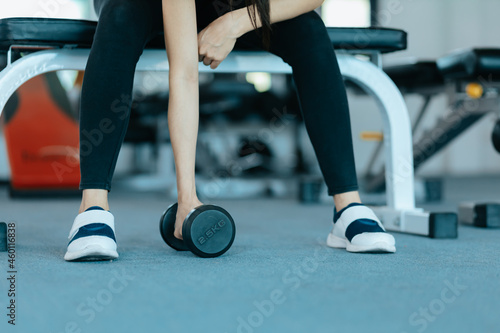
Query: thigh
[[294, 39], [127, 12], [207, 11]]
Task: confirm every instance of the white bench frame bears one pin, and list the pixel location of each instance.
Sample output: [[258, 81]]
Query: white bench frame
[[400, 213]]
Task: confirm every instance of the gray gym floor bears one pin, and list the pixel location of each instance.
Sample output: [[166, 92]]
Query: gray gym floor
[[278, 277]]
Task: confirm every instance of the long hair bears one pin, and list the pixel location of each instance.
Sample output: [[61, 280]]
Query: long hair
[[259, 9]]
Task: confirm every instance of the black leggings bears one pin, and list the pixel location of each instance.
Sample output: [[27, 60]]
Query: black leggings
[[126, 26]]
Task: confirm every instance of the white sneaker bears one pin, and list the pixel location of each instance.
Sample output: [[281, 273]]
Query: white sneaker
[[357, 229], [92, 236]]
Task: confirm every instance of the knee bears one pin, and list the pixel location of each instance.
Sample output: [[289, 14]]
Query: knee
[[308, 38], [128, 17], [308, 24]]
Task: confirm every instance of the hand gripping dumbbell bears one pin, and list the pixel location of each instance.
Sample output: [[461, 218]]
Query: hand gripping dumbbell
[[208, 231]]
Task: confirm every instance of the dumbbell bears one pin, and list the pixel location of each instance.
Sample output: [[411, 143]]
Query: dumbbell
[[208, 230]]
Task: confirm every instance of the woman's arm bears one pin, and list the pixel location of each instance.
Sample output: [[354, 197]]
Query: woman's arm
[[179, 17], [218, 39], [280, 10]]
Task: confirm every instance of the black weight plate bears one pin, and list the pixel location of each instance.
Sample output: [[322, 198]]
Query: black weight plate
[[209, 231], [167, 226]]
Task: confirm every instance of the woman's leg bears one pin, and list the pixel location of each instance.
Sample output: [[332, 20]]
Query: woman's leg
[[123, 30], [303, 43]]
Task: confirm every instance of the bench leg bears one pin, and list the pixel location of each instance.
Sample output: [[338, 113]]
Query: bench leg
[[400, 214], [17, 73]]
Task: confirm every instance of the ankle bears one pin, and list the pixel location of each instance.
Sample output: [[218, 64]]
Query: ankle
[[343, 200], [92, 198], [85, 206]]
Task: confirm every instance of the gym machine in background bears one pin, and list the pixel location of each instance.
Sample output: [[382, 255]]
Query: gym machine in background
[[471, 81]]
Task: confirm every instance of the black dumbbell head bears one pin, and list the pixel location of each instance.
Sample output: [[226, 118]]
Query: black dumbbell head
[[208, 231], [167, 226]]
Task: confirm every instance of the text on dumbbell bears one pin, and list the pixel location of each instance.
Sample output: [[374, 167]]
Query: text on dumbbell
[[211, 232]]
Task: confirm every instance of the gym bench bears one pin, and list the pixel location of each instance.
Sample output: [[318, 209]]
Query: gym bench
[[470, 79], [35, 45]]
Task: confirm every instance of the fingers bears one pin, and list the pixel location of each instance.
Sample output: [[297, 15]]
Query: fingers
[[203, 54], [178, 234], [215, 64], [207, 61], [200, 52]]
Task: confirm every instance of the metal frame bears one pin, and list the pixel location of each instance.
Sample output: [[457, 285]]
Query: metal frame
[[400, 214], [464, 112]]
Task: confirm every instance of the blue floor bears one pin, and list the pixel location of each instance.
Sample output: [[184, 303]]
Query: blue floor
[[278, 277]]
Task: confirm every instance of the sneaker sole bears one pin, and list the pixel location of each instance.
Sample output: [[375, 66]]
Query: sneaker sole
[[340, 243], [336, 242], [91, 253], [380, 247]]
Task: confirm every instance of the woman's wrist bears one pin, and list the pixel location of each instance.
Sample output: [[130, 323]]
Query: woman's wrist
[[187, 196], [239, 22]]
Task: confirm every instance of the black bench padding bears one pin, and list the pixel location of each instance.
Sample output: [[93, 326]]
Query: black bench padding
[[378, 39], [61, 32], [43, 31], [471, 64], [415, 75]]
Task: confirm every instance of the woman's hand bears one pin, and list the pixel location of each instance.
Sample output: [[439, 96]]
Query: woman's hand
[[217, 40]]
